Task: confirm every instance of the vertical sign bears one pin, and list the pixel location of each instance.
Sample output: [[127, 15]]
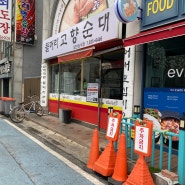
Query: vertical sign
[[5, 20], [25, 21], [44, 89], [128, 80]]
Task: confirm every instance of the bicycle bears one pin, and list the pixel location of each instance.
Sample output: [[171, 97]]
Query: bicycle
[[17, 113]]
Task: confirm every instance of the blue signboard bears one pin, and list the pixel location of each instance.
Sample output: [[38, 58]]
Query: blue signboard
[[171, 99], [157, 13], [164, 107]]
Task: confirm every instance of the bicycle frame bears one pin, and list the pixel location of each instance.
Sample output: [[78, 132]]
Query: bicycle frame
[[31, 106], [17, 113]]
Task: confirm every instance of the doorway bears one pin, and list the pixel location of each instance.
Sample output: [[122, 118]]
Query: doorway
[[31, 87], [111, 84], [6, 87]]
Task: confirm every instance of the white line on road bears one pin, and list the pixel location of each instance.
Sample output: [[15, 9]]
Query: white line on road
[[66, 161]]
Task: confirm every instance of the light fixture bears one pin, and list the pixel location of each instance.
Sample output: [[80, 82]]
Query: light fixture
[[182, 122], [136, 109], [110, 110]]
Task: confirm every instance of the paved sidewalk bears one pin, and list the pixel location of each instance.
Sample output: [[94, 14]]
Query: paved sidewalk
[[78, 133], [26, 161], [74, 131]]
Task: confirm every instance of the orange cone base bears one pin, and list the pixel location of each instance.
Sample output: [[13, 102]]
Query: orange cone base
[[140, 174], [94, 150], [114, 182], [88, 170], [106, 162]]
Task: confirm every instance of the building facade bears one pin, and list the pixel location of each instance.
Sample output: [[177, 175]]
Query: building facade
[[20, 60], [161, 39], [146, 68], [140, 64], [83, 60]]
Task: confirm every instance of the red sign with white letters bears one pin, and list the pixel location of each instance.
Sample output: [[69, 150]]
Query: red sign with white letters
[[113, 126], [143, 138], [25, 21]]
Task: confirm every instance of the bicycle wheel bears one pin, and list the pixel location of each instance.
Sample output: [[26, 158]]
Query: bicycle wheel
[[17, 114], [38, 109]]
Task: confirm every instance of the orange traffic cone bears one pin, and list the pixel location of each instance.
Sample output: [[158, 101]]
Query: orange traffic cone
[[94, 150], [140, 174], [106, 162], [120, 169]]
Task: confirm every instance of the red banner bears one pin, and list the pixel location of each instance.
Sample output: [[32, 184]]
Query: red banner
[[25, 21]]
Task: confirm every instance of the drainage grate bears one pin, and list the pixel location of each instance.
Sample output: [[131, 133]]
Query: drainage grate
[[33, 130]]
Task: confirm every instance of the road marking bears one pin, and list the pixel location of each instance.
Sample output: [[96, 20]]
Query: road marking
[[66, 161]]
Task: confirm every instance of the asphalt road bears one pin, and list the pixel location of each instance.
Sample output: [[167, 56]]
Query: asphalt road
[[26, 160]]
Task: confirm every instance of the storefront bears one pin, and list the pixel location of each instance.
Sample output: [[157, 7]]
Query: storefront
[[85, 63], [162, 36], [6, 77]]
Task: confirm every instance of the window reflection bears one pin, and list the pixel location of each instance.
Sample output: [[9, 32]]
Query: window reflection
[[75, 76], [112, 80], [165, 64], [54, 78]]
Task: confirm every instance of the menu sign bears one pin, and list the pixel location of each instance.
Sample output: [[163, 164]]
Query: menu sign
[[92, 92]]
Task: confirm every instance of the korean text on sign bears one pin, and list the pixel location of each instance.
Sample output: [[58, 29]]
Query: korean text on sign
[[5, 19]]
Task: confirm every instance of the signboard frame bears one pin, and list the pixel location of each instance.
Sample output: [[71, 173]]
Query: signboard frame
[[143, 138]]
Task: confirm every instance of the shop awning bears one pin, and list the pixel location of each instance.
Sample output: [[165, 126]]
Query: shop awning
[[165, 32], [79, 54]]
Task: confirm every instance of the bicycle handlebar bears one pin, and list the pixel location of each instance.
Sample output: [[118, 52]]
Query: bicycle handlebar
[[32, 96]]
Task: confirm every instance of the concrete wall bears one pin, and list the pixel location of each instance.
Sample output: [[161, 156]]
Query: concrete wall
[[32, 55], [49, 9], [17, 76], [27, 59]]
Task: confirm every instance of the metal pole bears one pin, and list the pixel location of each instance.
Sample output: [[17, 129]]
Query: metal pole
[[181, 157], [99, 95], [59, 87]]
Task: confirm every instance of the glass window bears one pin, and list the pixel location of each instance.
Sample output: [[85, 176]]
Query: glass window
[[165, 61], [76, 75], [71, 77], [112, 80], [54, 79], [90, 73]]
